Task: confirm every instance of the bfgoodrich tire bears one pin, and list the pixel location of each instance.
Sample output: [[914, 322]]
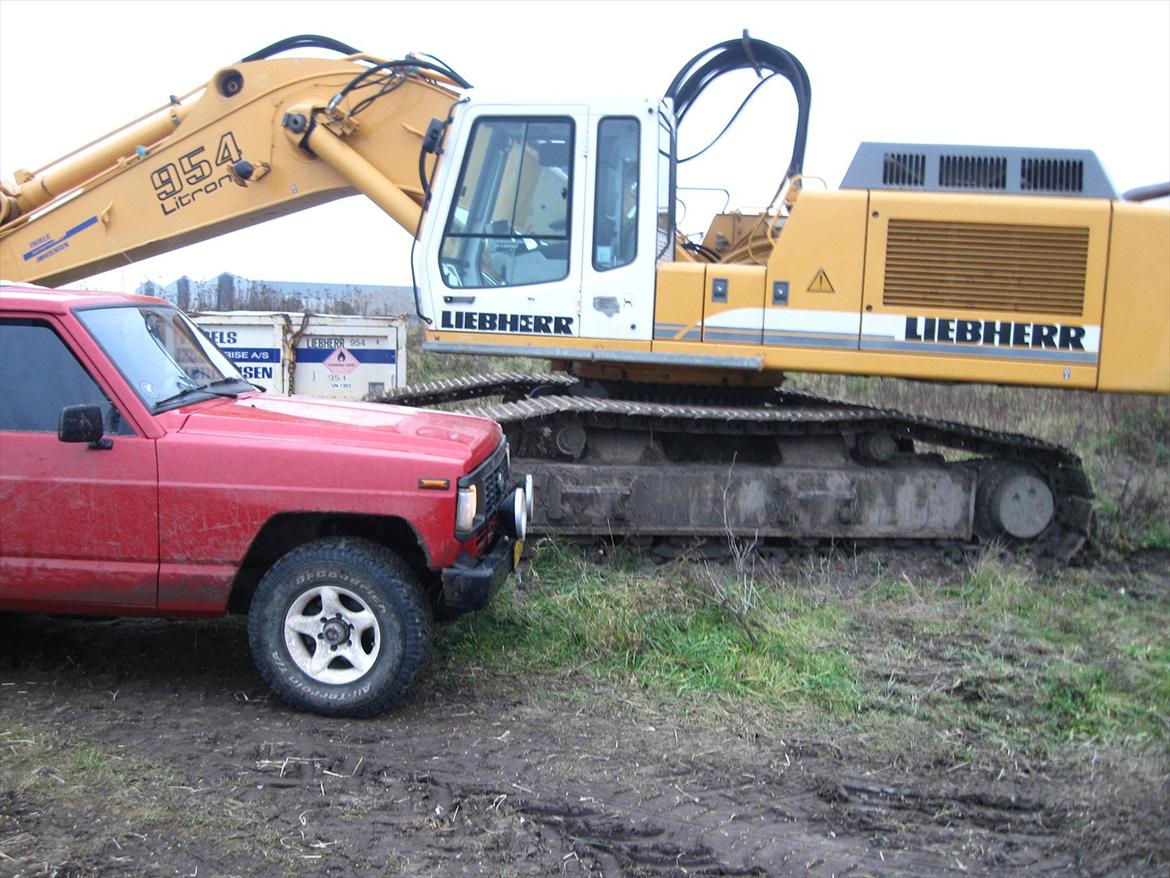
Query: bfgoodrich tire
[[340, 627]]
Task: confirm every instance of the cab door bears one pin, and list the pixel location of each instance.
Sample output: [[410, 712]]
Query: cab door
[[78, 525], [617, 298], [503, 248]]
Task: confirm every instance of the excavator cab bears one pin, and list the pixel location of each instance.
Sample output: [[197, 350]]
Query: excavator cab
[[543, 221]]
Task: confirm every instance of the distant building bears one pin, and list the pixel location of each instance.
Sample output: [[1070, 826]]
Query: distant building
[[230, 292]]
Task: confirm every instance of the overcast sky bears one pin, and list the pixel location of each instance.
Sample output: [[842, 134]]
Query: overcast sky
[[1091, 75]]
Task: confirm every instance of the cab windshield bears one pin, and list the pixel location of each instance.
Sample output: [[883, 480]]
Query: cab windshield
[[164, 357]]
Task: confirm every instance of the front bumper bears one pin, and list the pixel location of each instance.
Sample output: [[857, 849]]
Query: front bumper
[[471, 583]]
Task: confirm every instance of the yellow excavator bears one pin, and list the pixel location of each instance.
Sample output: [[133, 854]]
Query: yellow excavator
[[549, 231]]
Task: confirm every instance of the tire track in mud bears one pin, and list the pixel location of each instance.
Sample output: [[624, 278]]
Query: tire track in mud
[[679, 817]]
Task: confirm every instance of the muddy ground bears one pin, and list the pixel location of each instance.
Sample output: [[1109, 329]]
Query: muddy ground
[[151, 747]]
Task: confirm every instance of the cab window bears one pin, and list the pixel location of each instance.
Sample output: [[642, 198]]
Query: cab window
[[40, 376], [509, 225], [615, 218]]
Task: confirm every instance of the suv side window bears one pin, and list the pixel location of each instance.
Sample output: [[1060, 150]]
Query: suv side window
[[39, 376]]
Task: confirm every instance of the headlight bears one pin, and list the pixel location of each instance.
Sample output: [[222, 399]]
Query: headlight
[[466, 509]]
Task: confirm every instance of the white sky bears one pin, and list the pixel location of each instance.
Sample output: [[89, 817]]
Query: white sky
[[1091, 75]]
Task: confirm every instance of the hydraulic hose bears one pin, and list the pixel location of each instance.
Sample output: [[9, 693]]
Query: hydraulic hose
[[746, 53]]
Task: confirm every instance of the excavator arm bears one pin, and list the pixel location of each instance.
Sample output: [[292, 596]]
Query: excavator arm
[[261, 139]]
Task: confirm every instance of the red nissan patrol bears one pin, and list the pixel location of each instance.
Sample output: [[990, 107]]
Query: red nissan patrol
[[140, 474]]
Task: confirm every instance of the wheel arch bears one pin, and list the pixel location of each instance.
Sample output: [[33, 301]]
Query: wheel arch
[[284, 532]]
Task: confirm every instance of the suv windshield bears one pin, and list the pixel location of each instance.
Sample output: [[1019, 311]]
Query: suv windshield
[[164, 356]]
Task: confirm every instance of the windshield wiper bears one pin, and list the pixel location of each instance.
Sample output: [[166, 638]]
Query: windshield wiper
[[215, 388]]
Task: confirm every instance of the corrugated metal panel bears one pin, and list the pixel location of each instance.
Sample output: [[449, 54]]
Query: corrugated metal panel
[[986, 266]]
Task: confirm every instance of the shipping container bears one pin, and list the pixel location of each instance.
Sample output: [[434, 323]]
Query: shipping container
[[330, 355]]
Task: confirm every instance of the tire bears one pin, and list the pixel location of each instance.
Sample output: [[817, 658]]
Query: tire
[[339, 627]]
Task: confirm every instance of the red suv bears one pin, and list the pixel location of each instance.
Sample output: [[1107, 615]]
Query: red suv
[[140, 474]]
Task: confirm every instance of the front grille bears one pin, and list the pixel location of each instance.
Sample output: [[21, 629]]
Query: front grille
[[492, 479], [493, 484], [986, 266]]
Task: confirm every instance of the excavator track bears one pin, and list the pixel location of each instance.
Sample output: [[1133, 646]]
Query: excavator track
[[771, 465]]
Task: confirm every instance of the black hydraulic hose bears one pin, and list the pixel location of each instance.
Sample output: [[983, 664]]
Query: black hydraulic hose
[[730, 121], [304, 41], [746, 53], [410, 64], [314, 41]]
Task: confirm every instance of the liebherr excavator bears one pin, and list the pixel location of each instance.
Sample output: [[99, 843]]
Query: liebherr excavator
[[548, 231]]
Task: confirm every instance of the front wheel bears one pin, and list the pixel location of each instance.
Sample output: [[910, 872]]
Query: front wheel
[[340, 627]]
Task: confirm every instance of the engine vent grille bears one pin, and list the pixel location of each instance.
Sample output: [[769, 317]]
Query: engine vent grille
[[986, 266], [972, 172], [995, 170], [904, 169], [1052, 175]]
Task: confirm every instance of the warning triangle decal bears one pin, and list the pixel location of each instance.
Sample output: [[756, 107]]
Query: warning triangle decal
[[820, 283]]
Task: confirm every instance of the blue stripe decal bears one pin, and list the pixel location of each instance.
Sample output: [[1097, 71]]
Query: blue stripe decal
[[362, 355], [805, 341], [971, 350], [47, 245]]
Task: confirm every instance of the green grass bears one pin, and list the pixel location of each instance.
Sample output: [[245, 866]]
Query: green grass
[[1030, 664], [992, 659], [676, 632]]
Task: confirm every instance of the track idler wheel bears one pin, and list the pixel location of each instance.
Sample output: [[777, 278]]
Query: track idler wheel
[[1014, 500]]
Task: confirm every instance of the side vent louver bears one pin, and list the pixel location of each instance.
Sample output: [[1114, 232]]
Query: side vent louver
[[986, 267], [995, 170], [904, 169], [1052, 175], [972, 172]]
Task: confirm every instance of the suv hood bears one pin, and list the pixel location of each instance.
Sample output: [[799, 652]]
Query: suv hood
[[311, 420]]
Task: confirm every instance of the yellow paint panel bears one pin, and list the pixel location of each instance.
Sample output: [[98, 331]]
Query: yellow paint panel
[[820, 253], [733, 302], [1135, 332], [678, 300]]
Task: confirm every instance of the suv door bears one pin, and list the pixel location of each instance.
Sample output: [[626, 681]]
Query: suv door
[[78, 524]]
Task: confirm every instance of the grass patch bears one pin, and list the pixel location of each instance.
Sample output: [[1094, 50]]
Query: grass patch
[[673, 632], [990, 660], [1001, 658]]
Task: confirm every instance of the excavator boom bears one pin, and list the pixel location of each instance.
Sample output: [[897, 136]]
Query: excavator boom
[[263, 138]]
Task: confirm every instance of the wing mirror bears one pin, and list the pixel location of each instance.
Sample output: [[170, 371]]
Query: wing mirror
[[83, 423]]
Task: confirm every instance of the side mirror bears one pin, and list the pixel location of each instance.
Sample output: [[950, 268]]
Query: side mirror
[[83, 423]]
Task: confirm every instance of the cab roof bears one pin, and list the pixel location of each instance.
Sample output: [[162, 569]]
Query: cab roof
[[27, 297]]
